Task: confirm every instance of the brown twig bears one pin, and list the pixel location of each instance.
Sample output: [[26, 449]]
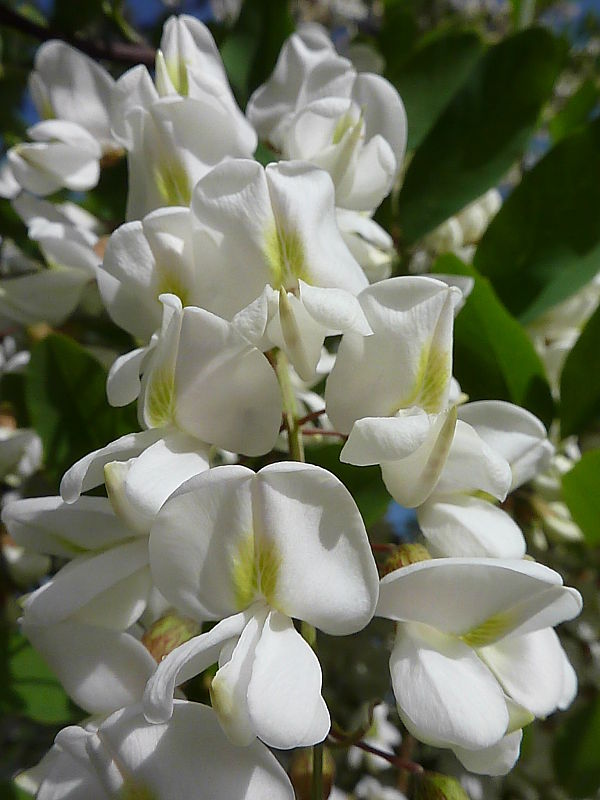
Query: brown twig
[[120, 52], [323, 432], [394, 760]]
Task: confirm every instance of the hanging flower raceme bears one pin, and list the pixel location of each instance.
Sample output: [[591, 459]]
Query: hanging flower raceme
[[72, 94], [129, 757], [176, 131], [277, 253], [471, 666], [255, 550]]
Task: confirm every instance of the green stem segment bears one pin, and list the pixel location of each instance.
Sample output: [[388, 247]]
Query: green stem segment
[[295, 444], [296, 451]]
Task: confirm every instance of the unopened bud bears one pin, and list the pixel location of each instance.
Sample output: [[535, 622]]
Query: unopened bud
[[404, 555], [301, 773], [167, 633], [434, 786]]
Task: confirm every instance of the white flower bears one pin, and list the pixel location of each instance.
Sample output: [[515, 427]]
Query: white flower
[[128, 757], [309, 70], [465, 662], [258, 550], [391, 390], [369, 788], [276, 248], [456, 519], [107, 581], [72, 95], [176, 131]]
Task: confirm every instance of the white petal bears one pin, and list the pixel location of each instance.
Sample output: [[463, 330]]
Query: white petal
[[185, 662], [302, 198], [138, 488], [411, 480], [514, 432], [374, 440], [284, 694], [129, 259], [326, 573], [445, 694], [101, 670], [82, 580], [49, 295], [88, 472], [123, 382], [459, 525], [201, 541], [383, 110], [298, 334], [407, 361], [229, 687], [178, 759], [473, 465], [335, 309], [530, 669], [134, 89], [49, 525], [226, 391], [497, 597], [495, 760], [78, 88]]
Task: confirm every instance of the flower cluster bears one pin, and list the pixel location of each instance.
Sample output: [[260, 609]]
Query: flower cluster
[[232, 278]]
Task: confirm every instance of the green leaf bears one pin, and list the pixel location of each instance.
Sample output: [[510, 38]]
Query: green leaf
[[428, 80], [576, 112], [581, 493], [29, 687], [580, 381], [576, 749], [483, 131], [544, 243], [494, 359], [66, 398], [364, 483], [251, 49], [399, 32]]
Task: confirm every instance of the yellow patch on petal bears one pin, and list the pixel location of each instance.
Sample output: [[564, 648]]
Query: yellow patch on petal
[[160, 399], [489, 631], [172, 183], [133, 790], [255, 571], [171, 284], [177, 69], [284, 252], [431, 382]]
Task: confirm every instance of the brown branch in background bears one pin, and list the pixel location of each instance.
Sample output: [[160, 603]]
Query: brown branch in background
[[395, 760], [120, 52]]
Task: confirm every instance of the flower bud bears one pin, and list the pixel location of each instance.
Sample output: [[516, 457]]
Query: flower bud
[[167, 633], [403, 555], [434, 786], [301, 771]]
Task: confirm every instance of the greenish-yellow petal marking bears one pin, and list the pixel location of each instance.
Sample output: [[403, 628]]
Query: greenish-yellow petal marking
[[489, 631], [172, 183], [285, 256], [255, 571], [160, 399]]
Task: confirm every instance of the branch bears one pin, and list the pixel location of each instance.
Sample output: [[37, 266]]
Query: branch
[[120, 52]]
